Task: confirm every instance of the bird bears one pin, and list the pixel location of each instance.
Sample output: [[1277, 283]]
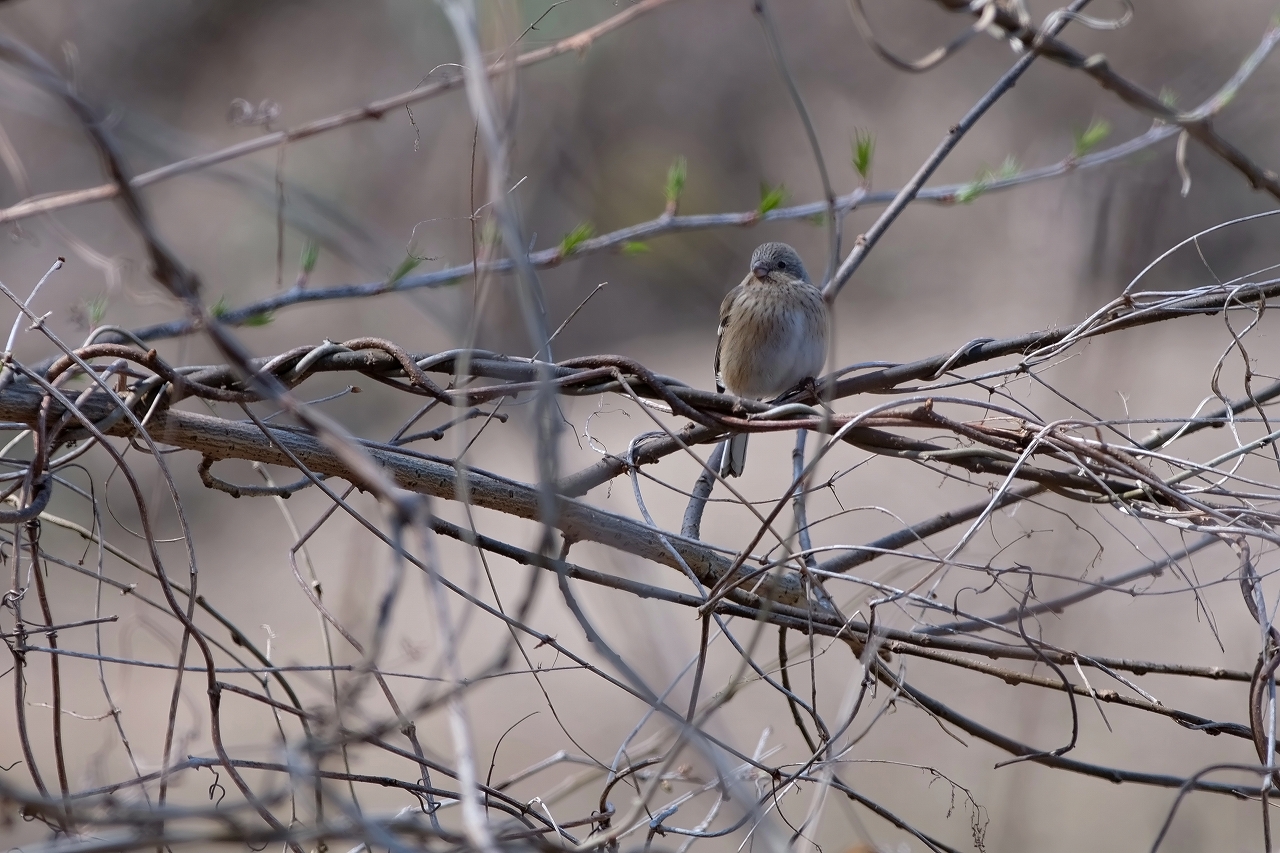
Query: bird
[[772, 336]]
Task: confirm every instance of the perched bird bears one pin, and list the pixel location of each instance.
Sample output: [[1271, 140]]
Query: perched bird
[[772, 336]]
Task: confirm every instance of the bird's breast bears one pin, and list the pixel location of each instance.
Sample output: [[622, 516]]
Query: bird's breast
[[776, 337]]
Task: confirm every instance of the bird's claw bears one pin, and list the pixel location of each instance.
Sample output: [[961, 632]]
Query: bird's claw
[[804, 390]]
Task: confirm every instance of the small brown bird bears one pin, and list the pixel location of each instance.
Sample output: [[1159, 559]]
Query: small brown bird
[[772, 336]]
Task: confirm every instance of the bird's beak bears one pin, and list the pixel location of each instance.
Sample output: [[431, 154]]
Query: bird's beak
[[761, 271]]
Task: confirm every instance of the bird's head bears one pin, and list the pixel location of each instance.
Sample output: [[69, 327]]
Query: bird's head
[[777, 263]]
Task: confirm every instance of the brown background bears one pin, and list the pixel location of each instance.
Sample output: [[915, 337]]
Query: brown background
[[594, 136]]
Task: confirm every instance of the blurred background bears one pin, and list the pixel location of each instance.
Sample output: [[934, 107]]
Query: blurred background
[[593, 137]]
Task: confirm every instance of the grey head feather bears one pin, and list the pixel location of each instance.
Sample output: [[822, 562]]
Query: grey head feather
[[779, 258]]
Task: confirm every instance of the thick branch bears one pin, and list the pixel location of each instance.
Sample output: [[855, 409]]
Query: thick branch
[[223, 439]]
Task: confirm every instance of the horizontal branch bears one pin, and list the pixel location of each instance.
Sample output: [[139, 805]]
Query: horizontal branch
[[664, 224], [1197, 123], [595, 374], [224, 439], [1124, 313], [451, 77], [1050, 759]]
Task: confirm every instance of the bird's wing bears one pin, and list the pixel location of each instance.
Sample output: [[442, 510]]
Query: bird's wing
[[726, 308]]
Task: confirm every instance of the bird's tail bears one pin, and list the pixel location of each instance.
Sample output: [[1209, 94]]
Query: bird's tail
[[735, 456]]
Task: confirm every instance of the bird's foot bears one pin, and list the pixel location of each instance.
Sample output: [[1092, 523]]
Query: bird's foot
[[806, 390]]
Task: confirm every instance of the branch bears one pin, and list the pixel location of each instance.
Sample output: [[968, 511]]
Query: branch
[[664, 224], [217, 438], [1196, 123], [373, 111]]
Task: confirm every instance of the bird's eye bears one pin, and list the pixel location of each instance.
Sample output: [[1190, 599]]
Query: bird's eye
[[782, 265]]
